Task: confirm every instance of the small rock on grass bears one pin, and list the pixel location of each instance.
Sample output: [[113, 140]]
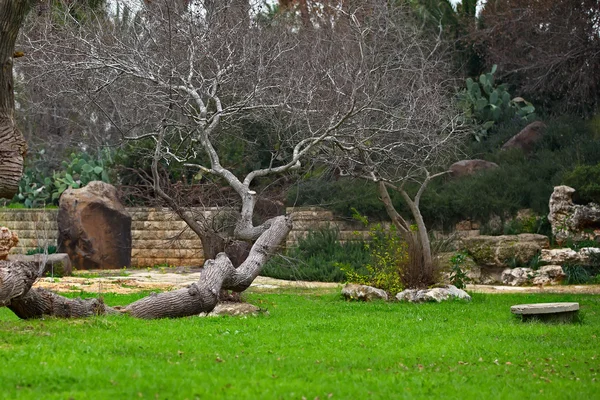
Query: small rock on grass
[[232, 309], [438, 294], [353, 291]]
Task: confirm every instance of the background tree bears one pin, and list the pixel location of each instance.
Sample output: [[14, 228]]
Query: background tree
[[549, 51]]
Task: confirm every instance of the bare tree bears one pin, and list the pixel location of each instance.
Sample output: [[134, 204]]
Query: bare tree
[[549, 50], [363, 91], [422, 135]]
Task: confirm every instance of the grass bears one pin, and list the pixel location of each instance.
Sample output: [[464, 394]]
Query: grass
[[308, 346]]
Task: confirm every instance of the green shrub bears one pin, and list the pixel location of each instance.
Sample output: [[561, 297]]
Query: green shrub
[[486, 103], [42, 250], [40, 187], [458, 277], [389, 262], [581, 274], [318, 257], [585, 179], [340, 196], [521, 181], [531, 224]]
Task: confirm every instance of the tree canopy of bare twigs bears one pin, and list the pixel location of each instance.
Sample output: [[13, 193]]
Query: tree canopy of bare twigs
[[549, 50]]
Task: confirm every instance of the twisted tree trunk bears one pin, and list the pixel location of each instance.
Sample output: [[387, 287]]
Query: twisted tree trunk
[[16, 279], [217, 274], [39, 302], [12, 143]]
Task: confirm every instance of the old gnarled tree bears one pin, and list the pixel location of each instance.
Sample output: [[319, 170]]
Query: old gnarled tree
[[354, 88]]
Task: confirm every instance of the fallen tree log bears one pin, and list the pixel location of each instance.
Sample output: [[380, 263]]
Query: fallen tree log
[[38, 302]]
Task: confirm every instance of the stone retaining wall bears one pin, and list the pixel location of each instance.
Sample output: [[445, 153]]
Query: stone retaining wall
[[159, 236], [307, 219]]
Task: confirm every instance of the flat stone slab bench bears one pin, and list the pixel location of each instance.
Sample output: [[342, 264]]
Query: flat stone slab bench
[[557, 312]]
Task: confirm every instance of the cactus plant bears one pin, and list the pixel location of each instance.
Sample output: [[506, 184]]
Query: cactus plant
[[486, 103]]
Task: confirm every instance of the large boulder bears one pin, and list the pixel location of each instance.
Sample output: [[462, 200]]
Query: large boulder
[[438, 294], [94, 228], [354, 291], [506, 250], [467, 265], [470, 167], [527, 137], [572, 221], [546, 275], [8, 240], [549, 275]]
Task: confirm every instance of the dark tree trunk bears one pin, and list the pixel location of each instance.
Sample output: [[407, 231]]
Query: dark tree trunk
[[12, 143]]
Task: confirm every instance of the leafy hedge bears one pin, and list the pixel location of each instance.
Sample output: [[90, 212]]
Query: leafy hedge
[[318, 257]]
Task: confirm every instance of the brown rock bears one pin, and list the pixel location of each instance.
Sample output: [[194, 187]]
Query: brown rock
[[94, 227], [463, 226], [470, 167], [527, 138], [8, 240]]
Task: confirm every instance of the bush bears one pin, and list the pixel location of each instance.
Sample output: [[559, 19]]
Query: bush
[[521, 181], [42, 250], [340, 196], [485, 103], [389, 259], [585, 179], [39, 186], [318, 257]]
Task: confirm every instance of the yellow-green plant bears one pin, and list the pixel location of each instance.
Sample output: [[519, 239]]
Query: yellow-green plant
[[388, 258]]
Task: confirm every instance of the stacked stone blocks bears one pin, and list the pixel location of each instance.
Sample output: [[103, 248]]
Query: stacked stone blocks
[[159, 237]]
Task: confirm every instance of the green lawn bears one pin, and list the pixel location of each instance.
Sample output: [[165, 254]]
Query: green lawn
[[308, 346]]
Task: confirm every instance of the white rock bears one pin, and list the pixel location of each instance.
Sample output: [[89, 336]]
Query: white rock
[[353, 291], [566, 255], [517, 276], [436, 294]]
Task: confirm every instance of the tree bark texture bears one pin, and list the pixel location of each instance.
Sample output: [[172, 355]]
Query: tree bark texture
[[16, 278], [39, 302], [12, 143]]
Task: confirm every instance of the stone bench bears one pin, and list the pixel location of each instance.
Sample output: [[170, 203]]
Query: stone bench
[[557, 312]]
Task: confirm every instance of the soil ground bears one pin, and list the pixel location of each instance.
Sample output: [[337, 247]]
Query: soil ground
[[136, 280]]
